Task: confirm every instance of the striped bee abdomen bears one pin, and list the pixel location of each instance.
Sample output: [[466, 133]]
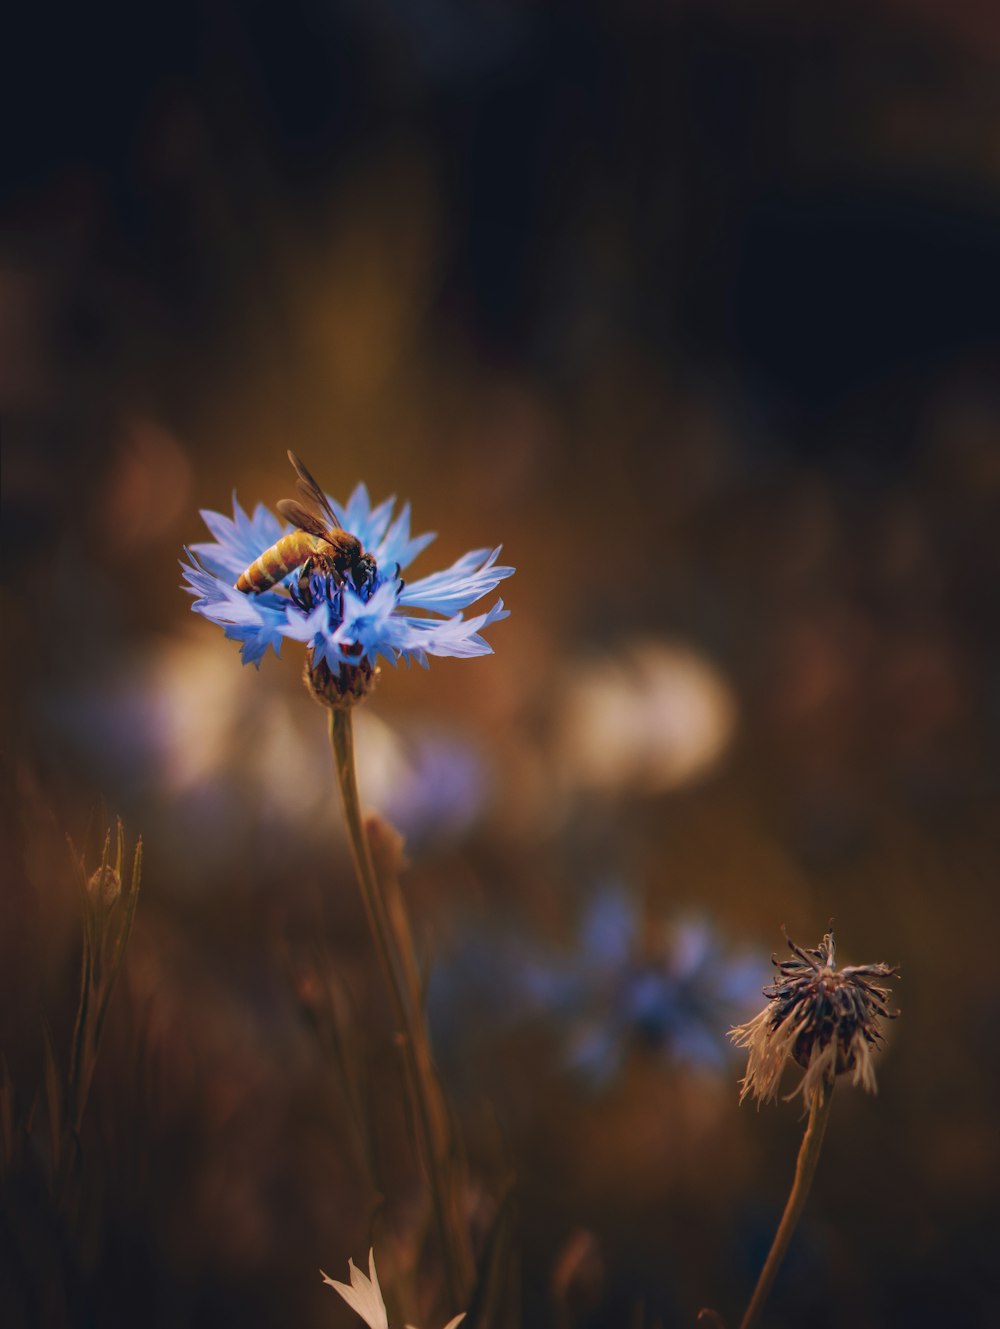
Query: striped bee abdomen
[[283, 557]]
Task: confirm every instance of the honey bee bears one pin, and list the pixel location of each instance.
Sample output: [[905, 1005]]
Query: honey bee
[[319, 539]]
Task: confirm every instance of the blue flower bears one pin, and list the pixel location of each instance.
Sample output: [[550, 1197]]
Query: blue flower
[[674, 992], [344, 625], [672, 988], [628, 984]]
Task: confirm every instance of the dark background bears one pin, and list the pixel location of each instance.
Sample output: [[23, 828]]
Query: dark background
[[696, 306]]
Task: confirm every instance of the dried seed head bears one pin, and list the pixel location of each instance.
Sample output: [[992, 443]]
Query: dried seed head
[[826, 1019]]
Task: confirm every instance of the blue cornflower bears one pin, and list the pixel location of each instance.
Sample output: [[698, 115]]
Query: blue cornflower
[[675, 992], [627, 983], [346, 620]]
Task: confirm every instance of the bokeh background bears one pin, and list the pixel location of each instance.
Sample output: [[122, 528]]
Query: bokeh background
[[696, 308]]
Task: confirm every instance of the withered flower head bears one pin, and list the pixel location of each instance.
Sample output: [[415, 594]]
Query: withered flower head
[[827, 1019]]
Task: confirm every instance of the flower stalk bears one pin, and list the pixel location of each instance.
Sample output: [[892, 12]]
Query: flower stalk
[[108, 896], [827, 1019], [429, 1115], [329, 576], [805, 1170]]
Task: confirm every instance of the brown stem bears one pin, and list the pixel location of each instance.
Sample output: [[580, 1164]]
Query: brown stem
[[805, 1170], [427, 1107]]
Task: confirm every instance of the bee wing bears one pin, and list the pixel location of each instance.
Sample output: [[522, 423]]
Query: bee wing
[[301, 517], [311, 492]]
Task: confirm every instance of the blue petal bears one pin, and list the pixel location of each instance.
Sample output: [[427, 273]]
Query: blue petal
[[354, 514], [255, 642], [693, 946], [471, 577], [457, 636], [238, 540], [376, 523], [396, 547], [609, 928]]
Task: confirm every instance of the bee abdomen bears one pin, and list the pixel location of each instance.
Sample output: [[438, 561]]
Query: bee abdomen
[[275, 563]]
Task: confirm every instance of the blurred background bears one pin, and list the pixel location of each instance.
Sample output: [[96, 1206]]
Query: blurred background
[[696, 308]]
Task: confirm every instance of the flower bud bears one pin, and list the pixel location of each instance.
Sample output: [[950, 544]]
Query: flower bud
[[104, 886], [342, 687]]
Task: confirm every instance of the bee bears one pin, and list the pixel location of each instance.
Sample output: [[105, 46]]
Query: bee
[[319, 539]]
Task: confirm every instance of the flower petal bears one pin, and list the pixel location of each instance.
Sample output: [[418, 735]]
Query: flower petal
[[397, 547], [470, 577], [364, 1294], [238, 540]]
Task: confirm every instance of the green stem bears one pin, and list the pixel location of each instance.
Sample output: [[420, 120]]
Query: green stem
[[805, 1170], [427, 1109]]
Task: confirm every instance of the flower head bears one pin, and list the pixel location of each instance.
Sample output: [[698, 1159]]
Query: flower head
[[347, 617], [364, 1295], [663, 986], [629, 984], [826, 1019]]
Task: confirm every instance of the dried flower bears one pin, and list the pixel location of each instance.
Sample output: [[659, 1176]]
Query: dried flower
[[827, 1019], [364, 1295]]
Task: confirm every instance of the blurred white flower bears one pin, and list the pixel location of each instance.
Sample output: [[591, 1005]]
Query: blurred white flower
[[364, 1296], [654, 717], [175, 725]]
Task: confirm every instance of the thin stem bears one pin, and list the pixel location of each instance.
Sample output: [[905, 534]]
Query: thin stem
[[427, 1108], [805, 1170]]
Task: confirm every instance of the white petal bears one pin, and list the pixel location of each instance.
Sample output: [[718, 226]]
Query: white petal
[[451, 1323], [364, 1295]]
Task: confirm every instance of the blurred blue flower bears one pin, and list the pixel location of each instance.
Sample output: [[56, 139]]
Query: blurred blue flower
[[342, 622], [673, 989], [676, 992], [433, 786]]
